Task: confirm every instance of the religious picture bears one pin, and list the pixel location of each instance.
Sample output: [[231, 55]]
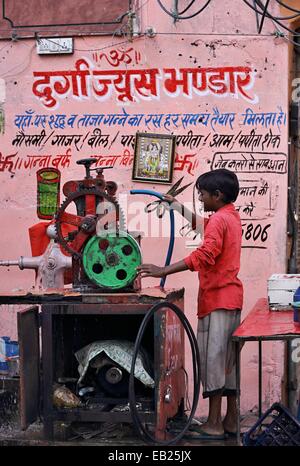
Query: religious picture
[[153, 158]]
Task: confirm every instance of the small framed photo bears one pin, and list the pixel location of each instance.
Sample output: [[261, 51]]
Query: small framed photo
[[153, 158]]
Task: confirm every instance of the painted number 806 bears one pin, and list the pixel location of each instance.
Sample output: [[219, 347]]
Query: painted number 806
[[255, 232]]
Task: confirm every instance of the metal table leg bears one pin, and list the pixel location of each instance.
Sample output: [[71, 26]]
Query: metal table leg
[[238, 391], [259, 378]]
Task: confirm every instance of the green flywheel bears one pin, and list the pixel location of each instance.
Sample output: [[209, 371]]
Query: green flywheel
[[110, 260]]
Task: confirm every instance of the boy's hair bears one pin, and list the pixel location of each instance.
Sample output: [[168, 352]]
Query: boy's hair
[[223, 180]]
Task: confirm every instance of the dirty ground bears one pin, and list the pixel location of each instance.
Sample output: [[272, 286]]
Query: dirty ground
[[88, 433]]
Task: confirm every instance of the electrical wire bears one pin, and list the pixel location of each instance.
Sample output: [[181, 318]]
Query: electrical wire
[[109, 45], [170, 33], [7, 75], [271, 17], [284, 36], [257, 17], [179, 34], [119, 30], [25, 62], [74, 31], [283, 18], [186, 8], [287, 6], [210, 34], [136, 9], [186, 33], [263, 17], [268, 14], [7, 72], [177, 16]]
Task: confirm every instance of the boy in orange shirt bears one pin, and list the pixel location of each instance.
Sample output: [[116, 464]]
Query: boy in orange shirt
[[220, 296]]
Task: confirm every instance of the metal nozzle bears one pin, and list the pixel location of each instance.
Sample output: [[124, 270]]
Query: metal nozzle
[[8, 263]]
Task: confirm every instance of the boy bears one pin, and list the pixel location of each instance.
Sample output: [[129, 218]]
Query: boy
[[220, 295]]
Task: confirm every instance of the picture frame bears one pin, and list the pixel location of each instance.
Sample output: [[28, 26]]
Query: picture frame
[[154, 158]]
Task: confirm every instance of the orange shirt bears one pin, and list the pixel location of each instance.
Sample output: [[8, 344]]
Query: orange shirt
[[218, 262]]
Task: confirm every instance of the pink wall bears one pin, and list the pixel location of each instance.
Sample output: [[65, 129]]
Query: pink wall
[[24, 17], [223, 38]]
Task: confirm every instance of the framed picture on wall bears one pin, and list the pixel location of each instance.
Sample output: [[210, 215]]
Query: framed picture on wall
[[153, 158]]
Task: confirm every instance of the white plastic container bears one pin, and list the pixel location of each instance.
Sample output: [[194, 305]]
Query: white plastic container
[[281, 289]]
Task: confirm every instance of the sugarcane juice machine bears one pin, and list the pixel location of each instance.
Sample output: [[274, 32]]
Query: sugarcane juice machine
[[90, 261]]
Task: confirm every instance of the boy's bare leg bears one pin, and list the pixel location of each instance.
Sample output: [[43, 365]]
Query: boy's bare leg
[[214, 425], [230, 418]]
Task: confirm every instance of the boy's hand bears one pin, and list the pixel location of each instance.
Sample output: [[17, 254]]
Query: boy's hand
[[168, 198], [172, 201], [150, 270]]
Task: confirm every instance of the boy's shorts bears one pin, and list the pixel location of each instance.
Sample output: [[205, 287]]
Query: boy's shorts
[[217, 352]]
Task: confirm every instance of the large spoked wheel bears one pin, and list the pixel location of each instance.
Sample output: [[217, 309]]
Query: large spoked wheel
[[87, 203]]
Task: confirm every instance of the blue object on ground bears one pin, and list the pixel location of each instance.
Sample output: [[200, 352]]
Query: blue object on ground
[[9, 350], [296, 305], [276, 427]]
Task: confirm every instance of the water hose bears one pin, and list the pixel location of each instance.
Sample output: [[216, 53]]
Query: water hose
[[172, 226]]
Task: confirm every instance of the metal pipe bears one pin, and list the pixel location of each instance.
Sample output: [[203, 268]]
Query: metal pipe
[[23, 262], [5, 263]]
